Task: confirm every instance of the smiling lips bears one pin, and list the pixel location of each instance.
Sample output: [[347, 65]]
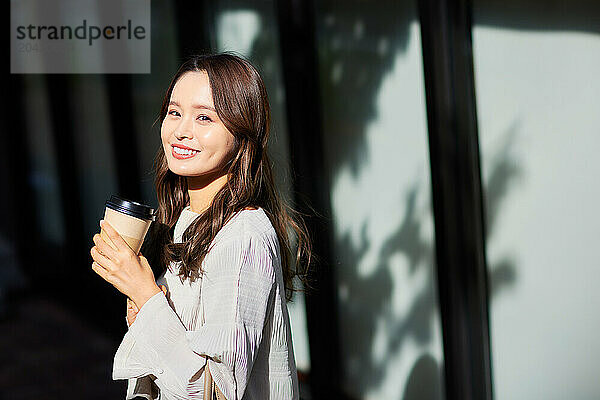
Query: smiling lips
[[182, 152]]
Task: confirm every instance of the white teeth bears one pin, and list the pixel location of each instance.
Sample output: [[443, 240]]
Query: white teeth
[[184, 152]]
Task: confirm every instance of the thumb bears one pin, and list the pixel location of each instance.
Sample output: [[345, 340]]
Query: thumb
[[144, 261]]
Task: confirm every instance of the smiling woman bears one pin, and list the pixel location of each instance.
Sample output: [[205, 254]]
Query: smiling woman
[[195, 140], [220, 247]]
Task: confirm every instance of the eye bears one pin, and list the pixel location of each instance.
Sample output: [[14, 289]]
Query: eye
[[173, 112], [204, 116]]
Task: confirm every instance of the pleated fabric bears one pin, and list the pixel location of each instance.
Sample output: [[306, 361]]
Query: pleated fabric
[[235, 314]]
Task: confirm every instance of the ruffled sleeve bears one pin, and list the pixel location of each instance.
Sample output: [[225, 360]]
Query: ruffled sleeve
[[238, 290]]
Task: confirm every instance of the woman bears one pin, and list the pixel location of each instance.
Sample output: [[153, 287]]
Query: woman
[[220, 301]]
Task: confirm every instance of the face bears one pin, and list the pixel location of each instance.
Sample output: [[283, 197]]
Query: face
[[196, 143]]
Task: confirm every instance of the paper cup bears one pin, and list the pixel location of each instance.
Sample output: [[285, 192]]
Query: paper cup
[[130, 219]]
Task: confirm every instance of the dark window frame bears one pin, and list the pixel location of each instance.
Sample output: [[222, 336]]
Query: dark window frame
[[458, 207]]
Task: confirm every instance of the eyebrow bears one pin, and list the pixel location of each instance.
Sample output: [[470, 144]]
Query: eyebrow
[[172, 102]]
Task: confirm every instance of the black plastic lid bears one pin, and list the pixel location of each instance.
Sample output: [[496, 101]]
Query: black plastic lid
[[132, 208]]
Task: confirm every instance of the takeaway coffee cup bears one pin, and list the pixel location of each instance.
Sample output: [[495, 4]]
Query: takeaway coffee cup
[[132, 220]]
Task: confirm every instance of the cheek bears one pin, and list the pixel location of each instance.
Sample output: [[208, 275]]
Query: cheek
[[214, 141], [166, 147], [164, 135]]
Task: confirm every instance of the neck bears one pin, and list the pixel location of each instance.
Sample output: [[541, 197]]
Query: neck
[[202, 190]]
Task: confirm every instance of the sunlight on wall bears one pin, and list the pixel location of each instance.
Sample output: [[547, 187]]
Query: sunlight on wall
[[537, 100], [237, 30], [390, 321]]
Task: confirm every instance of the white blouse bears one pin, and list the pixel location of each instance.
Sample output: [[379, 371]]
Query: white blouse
[[235, 313]]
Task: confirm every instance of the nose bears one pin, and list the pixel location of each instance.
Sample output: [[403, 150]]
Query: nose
[[185, 129]]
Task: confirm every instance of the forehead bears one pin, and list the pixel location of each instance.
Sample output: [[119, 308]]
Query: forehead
[[193, 87]]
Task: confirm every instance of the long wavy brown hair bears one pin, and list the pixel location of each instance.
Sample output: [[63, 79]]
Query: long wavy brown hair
[[241, 102]]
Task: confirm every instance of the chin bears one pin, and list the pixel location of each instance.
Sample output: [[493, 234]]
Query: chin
[[187, 172], [180, 172]]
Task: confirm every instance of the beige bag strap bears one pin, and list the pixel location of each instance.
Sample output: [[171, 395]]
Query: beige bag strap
[[208, 384], [211, 390]]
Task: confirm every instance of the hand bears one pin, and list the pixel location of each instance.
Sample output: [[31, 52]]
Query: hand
[[128, 272], [132, 309]]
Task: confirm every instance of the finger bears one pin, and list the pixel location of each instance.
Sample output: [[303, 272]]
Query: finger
[[144, 261], [104, 248], [113, 235], [101, 259], [108, 241], [163, 288], [97, 268]]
